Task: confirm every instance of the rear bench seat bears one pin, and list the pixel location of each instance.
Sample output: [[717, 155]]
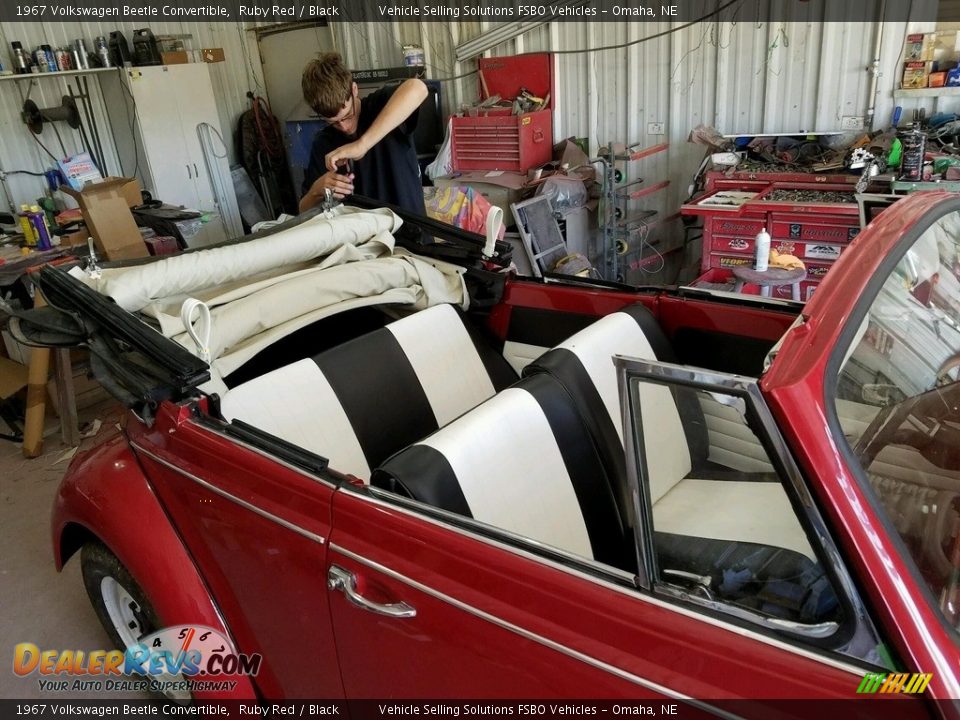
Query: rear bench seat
[[358, 403]]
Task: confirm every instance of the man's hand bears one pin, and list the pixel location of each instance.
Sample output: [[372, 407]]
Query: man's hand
[[351, 151], [339, 185]]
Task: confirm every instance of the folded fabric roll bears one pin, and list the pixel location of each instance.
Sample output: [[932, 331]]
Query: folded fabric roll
[[786, 262]]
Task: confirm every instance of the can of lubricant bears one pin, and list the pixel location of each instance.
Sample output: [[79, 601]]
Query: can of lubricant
[[63, 59]]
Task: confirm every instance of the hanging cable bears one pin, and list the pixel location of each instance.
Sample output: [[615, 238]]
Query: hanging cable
[[37, 140]]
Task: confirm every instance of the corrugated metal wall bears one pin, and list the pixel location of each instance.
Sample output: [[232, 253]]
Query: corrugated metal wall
[[749, 77]]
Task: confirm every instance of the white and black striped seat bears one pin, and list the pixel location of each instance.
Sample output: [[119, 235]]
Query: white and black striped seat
[[358, 403], [523, 461]]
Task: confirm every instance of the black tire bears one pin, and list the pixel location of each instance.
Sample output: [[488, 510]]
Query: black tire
[[97, 563]]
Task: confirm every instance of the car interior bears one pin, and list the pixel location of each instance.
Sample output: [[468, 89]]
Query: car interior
[[429, 408]]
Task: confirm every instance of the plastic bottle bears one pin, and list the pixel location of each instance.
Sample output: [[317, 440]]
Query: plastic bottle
[[29, 234], [763, 250], [39, 223]]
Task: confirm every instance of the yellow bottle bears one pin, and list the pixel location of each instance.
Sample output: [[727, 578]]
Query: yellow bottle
[[29, 234]]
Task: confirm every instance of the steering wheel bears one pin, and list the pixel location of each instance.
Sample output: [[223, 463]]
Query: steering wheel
[[943, 372]]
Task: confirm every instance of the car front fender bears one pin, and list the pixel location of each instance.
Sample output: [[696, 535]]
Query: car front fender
[[106, 496]]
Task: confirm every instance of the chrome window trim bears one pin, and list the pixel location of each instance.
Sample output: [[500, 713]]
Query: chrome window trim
[[748, 389], [232, 498], [527, 634], [389, 501]]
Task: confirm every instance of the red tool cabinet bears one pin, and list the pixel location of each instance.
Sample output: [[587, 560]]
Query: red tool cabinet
[[495, 139], [817, 233]]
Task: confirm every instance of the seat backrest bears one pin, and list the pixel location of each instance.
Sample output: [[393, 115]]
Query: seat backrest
[[523, 461], [358, 403], [672, 423]]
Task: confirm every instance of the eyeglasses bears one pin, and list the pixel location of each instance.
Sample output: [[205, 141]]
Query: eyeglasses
[[348, 116]]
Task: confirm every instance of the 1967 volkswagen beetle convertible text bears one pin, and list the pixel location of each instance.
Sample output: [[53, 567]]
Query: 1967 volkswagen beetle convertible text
[[389, 472]]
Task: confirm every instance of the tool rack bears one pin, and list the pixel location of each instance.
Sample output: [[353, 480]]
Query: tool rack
[[620, 230]]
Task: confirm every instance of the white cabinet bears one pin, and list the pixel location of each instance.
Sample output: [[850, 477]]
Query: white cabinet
[[156, 113]]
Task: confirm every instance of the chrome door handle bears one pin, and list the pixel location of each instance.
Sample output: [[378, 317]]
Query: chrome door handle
[[346, 581]]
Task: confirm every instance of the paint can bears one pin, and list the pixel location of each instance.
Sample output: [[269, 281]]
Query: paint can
[[413, 56]]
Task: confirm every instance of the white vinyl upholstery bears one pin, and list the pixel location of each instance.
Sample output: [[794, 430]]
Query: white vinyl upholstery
[[756, 512], [297, 404], [443, 356], [508, 465], [434, 357], [595, 347], [683, 504]]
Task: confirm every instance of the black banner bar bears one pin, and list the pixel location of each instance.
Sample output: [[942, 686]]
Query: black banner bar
[[505, 11]]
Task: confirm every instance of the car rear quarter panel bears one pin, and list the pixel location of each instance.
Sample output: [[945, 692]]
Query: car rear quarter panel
[[106, 496]]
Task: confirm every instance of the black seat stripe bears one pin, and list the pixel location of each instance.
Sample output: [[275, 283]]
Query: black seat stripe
[[387, 410], [592, 484], [423, 473]]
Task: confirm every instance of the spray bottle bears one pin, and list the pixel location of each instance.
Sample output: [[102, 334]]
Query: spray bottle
[[763, 250], [39, 223], [26, 227]]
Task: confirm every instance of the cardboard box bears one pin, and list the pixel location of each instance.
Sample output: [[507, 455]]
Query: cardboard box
[[106, 212], [212, 55], [919, 47], [175, 57], [915, 75], [953, 77], [937, 79]]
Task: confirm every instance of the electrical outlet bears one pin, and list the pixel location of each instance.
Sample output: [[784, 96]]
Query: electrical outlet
[[851, 122], [656, 128]]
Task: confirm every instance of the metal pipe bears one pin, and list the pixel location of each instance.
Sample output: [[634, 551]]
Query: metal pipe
[[83, 133], [6, 192], [874, 68], [93, 124]]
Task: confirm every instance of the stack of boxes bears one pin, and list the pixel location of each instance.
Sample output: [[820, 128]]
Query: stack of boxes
[[930, 60]]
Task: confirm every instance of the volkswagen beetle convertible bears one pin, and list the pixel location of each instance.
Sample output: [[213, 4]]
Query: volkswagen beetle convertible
[[390, 471]]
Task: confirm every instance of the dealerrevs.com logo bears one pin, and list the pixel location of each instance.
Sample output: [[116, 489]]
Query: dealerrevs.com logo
[[907, 683], [175, 660]]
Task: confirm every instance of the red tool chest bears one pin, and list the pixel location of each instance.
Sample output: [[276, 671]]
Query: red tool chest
[[495, 139], [817, 233]]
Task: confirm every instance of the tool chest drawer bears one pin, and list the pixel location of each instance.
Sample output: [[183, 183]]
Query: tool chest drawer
[[502, 142]]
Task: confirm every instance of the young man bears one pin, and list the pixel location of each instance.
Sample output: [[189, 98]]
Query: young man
[[367, 147]]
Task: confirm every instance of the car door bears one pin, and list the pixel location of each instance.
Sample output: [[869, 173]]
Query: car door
[[445, 607], [255, 517]]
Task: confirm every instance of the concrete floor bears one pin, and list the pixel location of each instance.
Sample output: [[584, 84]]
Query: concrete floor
[[37, 604]]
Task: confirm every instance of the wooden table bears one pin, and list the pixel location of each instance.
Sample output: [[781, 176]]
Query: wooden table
[[771, 277]]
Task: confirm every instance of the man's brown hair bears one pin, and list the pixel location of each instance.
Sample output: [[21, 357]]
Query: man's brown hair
[[327, 84]]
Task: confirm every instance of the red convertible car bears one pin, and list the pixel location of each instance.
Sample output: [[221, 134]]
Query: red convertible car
[[388, 470]]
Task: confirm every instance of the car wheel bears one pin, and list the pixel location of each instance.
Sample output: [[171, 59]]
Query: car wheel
[[120, 603]]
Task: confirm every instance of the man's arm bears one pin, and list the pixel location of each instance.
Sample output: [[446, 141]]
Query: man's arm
[[405, 99]]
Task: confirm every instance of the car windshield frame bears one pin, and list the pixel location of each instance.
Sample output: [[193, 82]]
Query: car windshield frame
[[831, 381]]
